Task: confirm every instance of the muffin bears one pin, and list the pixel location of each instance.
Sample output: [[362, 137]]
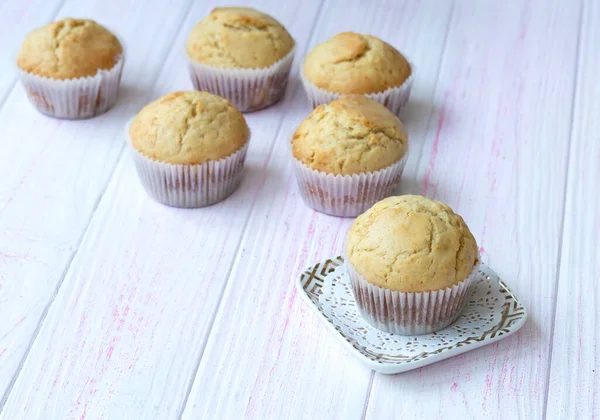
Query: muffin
[[348, 155], [355, 63], [242, 55], [71, 68], [412, 263], [189, 148]]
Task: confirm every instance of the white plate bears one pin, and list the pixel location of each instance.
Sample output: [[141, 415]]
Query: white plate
[[490, 314]]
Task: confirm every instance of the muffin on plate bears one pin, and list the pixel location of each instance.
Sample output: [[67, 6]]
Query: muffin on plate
[[348, 155], [189, 148], [71, 68], [356, 63], [242, 55], [412, 262]]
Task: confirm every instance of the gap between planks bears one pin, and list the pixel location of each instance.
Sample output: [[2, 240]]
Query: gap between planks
[[437, 77], [564, 206], [11, 85], [91, 217], [429, 119], [291, 93]]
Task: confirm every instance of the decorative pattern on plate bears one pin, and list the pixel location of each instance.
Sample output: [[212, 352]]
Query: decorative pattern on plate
[[491, 313]]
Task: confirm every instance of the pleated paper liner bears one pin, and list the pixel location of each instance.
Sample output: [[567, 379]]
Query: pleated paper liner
[[347, 195], [409, 313], [79, 98], [247, 89], [394, 98], [190, 186]]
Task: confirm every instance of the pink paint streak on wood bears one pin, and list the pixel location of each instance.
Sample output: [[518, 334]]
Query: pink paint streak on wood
[[310, 231], [434, 150], [109, 352], [277, 338], [12, 256], [501, 371]]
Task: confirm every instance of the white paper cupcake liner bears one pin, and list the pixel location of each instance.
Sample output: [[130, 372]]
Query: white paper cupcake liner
[[190, 185], [247, 89], [394, 98], [79, 98], [347, 195], [408, 313]]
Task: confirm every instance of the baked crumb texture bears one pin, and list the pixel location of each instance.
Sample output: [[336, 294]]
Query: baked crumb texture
[[410, 243], [351, 135], [69, 49], [238, 37], [189, 128], [355, 63]]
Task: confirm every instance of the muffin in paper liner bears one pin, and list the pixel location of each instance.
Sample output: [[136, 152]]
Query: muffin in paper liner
[[190, 185], [79, 98], [346, 195], [247, 89], [394, 98], [410, 313]]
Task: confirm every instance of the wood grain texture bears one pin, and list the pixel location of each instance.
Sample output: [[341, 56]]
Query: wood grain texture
[[53, 173], [17, 18], [268, 356], [496, 150], [113, 306], [125, 333], [18, 259], [574, 387]]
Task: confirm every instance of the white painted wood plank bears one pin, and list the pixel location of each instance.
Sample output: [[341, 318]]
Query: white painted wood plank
[[53, 172], [17, 18], [496, 150], [125, 333], [268, 355], [574, 387]]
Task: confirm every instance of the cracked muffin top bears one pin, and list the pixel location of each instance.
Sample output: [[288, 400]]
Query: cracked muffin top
[[238, 37], [351, 135], [69, 49], [410, 243], [189, 128], [355, 63]]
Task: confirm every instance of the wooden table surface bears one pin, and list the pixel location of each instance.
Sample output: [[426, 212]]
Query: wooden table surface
[[115, 307]]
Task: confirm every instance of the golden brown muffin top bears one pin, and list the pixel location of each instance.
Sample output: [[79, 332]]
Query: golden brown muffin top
[[350, 135], [238, 37], [411, 244], [69, 49], [189, 128], [355, 63]]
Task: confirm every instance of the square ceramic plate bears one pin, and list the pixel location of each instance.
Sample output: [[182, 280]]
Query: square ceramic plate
[[490, 314]]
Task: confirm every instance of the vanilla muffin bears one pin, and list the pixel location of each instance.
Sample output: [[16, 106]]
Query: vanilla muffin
[[71, 68], [405, 253], [351, 135], [241, 54], [356, 63], [348, 155], [189, 148], [238, 37], [69, 49]]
